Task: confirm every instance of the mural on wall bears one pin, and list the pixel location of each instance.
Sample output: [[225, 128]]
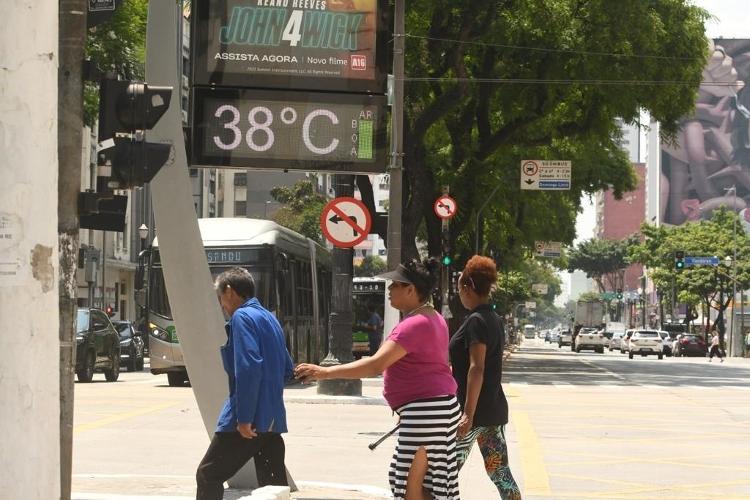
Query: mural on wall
[[711, 153]]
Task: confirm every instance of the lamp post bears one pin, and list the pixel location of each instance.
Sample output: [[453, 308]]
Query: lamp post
[[730, 262], [143, 234], [642, 300], [265, 210]]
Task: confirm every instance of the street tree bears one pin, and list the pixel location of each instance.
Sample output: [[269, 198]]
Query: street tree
[[603, 260], [491, 83], [301, 208], [708, 286], [117, 47], [371, 265]]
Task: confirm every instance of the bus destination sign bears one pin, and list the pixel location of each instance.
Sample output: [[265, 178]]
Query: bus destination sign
[[246, 128], [302, 44]]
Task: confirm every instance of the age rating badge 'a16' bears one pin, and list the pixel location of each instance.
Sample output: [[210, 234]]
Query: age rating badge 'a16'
[[445, 207], [345, 222]]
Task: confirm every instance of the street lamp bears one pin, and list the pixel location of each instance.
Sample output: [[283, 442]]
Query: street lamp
[[642, 300], [729, 261], [143, 233]]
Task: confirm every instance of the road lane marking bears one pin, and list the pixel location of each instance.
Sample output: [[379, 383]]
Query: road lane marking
[[536, 479], [122, 416]]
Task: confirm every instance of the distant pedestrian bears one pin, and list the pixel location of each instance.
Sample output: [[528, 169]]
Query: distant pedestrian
[[417, 384], [253, 417], [715, 348], [747, 345], [476, 353], [374, 329]]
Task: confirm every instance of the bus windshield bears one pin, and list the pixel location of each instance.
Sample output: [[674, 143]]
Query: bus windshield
[[159, 302]]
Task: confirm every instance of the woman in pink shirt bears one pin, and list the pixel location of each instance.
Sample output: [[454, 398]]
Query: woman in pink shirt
[[417, 384]]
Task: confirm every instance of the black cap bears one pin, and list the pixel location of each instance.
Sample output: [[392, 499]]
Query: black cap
[[401, 274]]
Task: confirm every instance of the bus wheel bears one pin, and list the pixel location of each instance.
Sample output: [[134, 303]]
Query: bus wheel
[[175, 379]]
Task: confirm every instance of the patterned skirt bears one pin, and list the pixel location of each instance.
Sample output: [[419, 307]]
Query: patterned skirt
[[429, 423]]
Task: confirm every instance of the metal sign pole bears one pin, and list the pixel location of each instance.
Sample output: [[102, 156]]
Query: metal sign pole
[[396, 168]]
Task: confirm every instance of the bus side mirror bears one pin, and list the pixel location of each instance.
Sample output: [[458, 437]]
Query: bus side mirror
[[140, 296]]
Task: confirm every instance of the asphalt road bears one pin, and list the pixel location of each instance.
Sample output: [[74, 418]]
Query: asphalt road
[[582, 426]]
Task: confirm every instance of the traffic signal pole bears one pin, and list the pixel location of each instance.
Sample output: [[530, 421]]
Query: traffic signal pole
[[72, 40], [396, 167]]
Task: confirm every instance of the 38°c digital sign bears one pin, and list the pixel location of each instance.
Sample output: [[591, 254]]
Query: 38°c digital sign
[[246, 128]]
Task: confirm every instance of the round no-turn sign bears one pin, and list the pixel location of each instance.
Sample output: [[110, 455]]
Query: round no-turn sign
[[345, 222], [445, 207]]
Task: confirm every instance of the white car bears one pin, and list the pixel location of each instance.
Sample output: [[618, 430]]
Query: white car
[[645, 342], [616, 341], [590, 338]]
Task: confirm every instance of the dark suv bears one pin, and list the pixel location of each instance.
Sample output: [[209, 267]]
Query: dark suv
[[97, 346], [131, 345]]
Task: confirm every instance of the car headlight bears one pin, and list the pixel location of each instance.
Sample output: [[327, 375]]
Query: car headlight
[[124, 343], [79, 338]]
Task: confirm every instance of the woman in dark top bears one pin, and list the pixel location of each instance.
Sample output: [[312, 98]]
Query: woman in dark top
[[476, 354]]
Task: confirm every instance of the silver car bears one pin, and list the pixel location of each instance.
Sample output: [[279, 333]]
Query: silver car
[[616, 341]]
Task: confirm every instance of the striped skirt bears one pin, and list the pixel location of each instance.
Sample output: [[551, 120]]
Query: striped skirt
[[430, 423]]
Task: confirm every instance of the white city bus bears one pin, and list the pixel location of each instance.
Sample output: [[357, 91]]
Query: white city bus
[[292, 275]]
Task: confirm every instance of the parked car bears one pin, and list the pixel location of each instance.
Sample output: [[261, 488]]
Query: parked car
[[566, 337], [625, 341], [97, 346], [590, 338], [667, 342], [616, 341], [554, 336], [689, 345], [131, 345], [645, 342]]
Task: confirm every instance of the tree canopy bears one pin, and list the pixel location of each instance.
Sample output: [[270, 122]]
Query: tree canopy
[[491, 83], [117, 46], [602, 260], [301, 210], [707, 286]]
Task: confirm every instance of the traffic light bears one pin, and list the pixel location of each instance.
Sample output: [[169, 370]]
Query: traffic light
[[679, 260], [126, 110], [619, 294], [447, 259]]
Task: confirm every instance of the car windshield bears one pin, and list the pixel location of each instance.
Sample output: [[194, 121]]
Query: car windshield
[[648, 334], [123, 329], [82, 321]]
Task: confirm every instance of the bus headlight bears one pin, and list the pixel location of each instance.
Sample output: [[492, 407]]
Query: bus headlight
[[159, 333]]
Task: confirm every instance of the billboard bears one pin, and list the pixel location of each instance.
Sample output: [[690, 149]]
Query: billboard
[[332, 45], [275, 129], [712, 150]]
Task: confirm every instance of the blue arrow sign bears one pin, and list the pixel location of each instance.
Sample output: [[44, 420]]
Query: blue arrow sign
[[701, 261]]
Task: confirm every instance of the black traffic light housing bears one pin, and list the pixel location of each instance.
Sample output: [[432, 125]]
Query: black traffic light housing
[[447, 258], [619, 294], [679, 260], [126, 110]]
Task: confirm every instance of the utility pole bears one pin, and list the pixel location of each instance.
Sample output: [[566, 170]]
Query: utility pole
[[29, 354], [72, 33], [396, 167]]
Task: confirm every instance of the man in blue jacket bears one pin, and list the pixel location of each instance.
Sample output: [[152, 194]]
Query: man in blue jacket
[[253, 417]]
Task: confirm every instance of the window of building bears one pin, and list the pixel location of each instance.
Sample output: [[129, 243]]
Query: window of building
[[240, 208], [240, 179]]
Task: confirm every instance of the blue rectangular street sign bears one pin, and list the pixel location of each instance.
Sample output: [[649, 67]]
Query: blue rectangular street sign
[[701, 261]]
